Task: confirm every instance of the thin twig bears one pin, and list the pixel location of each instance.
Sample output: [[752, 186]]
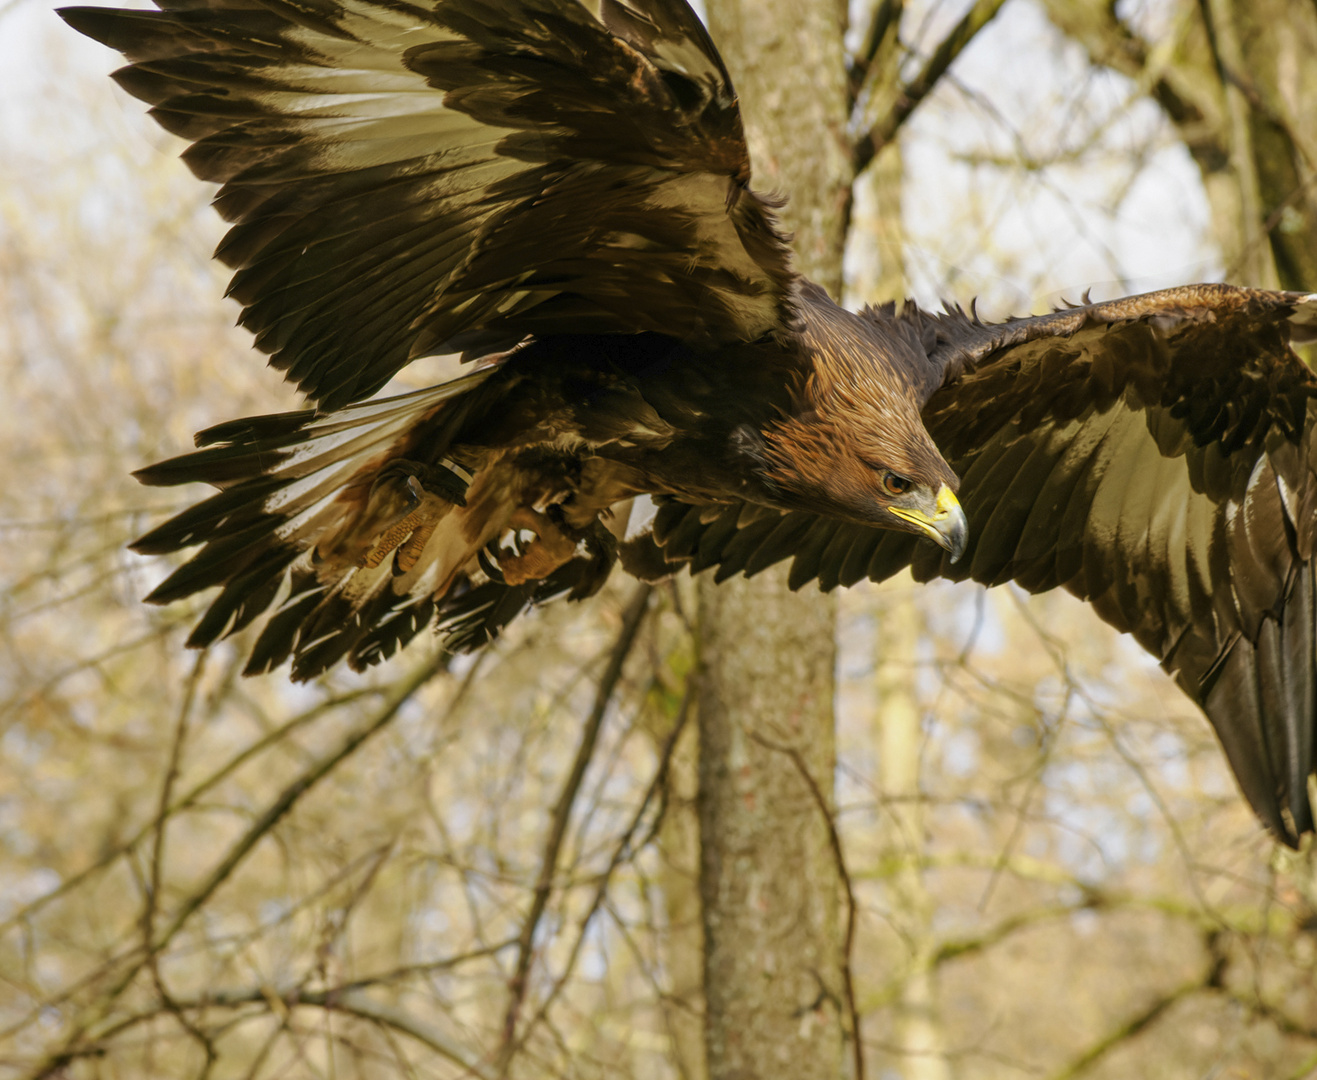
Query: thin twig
[[352, 1001], [154, 884], [1305, 1070], [632, 617], [884, 25], [152, 904], [1127, 1030], [913, 93], [1210, 979], [623, 846], [274, 813], [184, 802], [1056, 650]]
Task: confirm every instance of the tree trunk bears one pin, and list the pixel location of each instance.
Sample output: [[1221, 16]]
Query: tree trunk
[[789, 69], [769, 882], [1274, 41]]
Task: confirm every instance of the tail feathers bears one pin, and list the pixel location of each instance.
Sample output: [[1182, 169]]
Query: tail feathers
[[291, 485], [249, 428], [224, 561], [244, 598], [306, 497], [227, 513], [294, 445], [318, 626]]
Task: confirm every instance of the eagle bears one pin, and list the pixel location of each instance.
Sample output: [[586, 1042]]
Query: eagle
[[558, 192]]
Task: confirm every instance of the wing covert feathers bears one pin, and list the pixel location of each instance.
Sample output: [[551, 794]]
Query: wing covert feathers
[[407, 180], [1154, 456]]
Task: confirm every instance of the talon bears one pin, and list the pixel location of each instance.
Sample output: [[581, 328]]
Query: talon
[[427, 493], [549, 550], [487, 558], [392, 537], [407, 556]]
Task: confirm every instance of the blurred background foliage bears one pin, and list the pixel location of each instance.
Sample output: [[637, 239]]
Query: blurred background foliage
[[434, 869]]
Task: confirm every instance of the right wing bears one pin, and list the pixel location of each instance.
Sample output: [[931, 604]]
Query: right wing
[[1157, 457]]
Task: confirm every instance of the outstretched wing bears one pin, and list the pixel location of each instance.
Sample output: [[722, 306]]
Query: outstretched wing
[[1156, 457], [406, 179]]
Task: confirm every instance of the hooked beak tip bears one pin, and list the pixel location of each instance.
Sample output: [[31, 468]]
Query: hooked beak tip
[[946, 526], [950, 523], [957, 549]]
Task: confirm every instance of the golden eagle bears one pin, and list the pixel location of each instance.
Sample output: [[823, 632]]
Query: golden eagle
[[559, 191]]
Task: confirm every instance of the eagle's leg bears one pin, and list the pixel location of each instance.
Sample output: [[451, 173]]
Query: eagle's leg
[[424, 494], [552, 547]]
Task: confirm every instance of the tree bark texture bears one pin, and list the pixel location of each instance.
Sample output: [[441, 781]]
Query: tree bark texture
[[788, 66], [769, 881]]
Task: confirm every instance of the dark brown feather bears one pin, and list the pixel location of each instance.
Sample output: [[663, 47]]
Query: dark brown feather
[[542, 168]]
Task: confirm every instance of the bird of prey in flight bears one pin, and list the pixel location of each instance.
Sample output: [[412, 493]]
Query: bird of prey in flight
[[559, 191]]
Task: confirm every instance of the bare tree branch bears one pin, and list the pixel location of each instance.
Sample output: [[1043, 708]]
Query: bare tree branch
[[1111, 43], [621, 848], [913, 93], [287, 799], [1144, 1019], [154, 885], [185, 801], [350, 1000], [884, 26], [632, 617]]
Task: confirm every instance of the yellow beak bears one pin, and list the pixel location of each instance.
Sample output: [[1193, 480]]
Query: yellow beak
[[946, 525]]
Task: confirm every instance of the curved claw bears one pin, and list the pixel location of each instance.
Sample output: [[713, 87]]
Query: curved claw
[[487, 558], [542, 556], [419, 495]]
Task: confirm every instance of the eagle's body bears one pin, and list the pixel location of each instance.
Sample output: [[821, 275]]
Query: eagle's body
[[559, 190]]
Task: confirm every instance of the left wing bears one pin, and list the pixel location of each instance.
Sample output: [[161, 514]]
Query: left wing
[[415, 178], [1157, 457]]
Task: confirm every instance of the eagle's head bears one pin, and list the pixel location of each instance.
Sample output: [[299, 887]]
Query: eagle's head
[[858, 450]]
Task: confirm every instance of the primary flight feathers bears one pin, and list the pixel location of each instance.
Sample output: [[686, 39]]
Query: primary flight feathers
[[406, 179], [559, 190]]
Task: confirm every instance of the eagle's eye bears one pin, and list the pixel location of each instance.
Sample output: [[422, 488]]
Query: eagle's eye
[[896, 485]]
